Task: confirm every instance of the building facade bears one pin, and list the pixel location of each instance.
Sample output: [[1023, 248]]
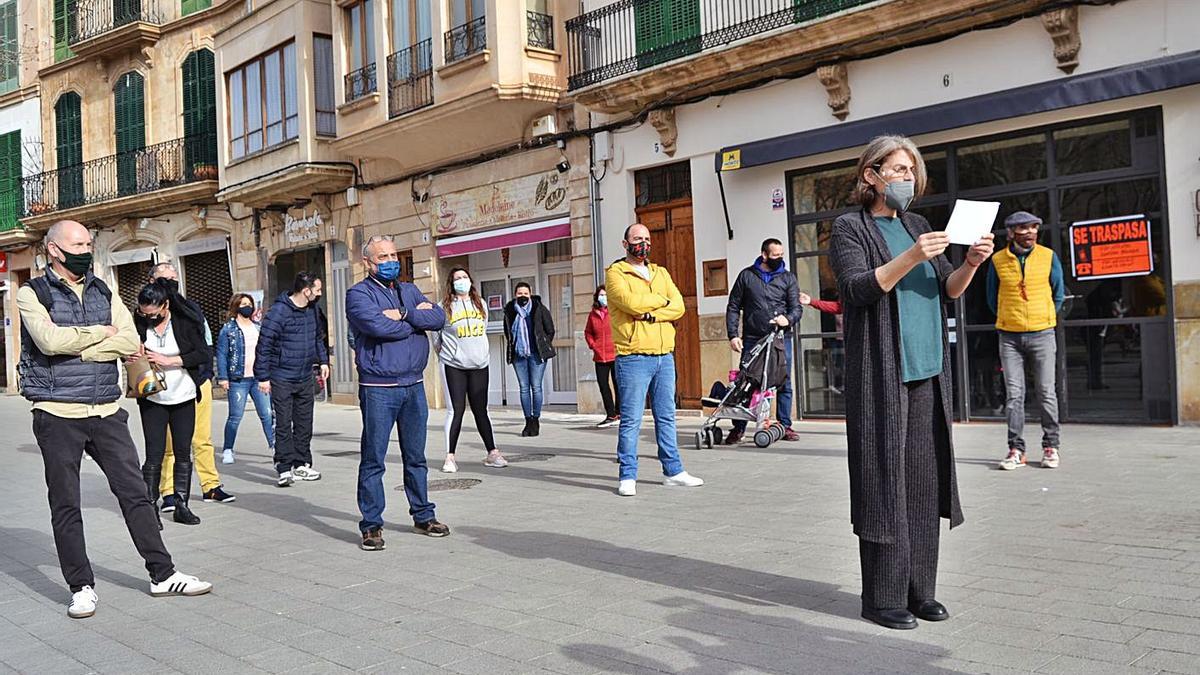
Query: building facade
[[757, 112]]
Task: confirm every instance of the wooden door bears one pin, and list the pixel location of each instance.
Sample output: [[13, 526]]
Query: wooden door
[[672, 245]]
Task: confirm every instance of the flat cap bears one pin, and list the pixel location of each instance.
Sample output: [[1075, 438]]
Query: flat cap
[[1021, 218]]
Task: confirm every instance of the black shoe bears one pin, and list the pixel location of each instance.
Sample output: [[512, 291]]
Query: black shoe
[[372, 540], [184, 515], [899, 619], [929, 610], [432, 528], [536, 429], [168, 504], [528, 430], [218, 495], [735, 435]]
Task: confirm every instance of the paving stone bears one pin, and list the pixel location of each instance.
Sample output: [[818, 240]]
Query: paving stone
[[1173, 662]]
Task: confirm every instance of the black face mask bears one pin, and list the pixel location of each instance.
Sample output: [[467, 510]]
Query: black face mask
[[522, 301], [78, 264], [774, 264], [246, 311]]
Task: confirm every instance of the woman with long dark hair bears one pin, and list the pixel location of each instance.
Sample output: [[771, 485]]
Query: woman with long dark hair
[[464, 352], [174, 342], [235, 372], [895, 282], [598, 334]]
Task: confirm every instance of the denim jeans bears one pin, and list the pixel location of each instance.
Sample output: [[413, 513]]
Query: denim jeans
[[530, 371], [239, 391], [637, 376], [783, 395], [383, 408], [1039, 350]]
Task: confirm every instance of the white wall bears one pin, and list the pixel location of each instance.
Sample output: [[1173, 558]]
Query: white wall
[[979, 62], [27, 117]]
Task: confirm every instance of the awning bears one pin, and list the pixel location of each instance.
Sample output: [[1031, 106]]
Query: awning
[[133, 255], [1129, 80], [517, 235]]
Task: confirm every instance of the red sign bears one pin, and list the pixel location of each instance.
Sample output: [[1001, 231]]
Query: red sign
[[1111, 247], [3, 263]]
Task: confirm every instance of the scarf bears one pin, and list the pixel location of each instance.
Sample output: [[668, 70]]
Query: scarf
[[521, 328]]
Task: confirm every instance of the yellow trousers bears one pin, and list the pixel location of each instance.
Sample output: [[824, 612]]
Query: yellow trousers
[[203, 458]]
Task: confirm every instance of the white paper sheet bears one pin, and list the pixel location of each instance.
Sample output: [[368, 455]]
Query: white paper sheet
[[971, 220]]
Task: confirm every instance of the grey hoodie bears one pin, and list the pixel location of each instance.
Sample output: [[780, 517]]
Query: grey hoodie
[[464, 340]]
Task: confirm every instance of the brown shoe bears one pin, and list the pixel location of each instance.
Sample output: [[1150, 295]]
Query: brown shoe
[[372, 540], [734, 437], [789, 435], [432, 528]]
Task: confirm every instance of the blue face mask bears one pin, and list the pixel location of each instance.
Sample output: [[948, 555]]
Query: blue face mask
[[389, 270], [603, 300], [461, 286]]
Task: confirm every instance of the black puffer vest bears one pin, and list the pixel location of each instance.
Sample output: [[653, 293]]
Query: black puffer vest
[[68, 378]]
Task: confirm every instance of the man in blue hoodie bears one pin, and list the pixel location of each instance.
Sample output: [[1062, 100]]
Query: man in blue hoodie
[[290, 343], [389, 320]]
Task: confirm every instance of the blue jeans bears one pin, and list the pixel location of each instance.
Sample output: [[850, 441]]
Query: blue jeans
[[239, 391], [1037, 352], [783, 395], [383, 408], [530, 371], [637, 376]]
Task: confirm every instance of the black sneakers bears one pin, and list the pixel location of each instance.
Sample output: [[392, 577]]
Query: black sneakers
[[432, 528], [372, 540], [218, 495]]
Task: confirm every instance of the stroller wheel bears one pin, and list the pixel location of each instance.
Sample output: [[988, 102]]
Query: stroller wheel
[[762, 438], [699, 440], [718, 436], [708, 438], [776, 432]]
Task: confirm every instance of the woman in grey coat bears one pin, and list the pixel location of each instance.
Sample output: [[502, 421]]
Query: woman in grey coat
[[895, 280]]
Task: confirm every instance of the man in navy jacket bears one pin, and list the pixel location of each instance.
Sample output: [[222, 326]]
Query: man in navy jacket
[[388, 319], [290, 343]]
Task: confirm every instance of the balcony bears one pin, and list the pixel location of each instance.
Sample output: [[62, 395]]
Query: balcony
[[12, 232], [148, 181], [629, 53], [360, 83], [105, 28], [410, 79], [467, 39], [539, 30]]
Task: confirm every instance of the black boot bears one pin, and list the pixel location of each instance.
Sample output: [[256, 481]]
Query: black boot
[[183, 515], [183, 486], [536, 429], [151, 473], [528, 430]]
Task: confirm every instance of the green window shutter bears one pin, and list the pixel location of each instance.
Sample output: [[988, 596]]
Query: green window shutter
[[665, 30], [64, 24], [9, 43], [189, 6], [11, 201], [199, 109], [130, 123], [68, 134]]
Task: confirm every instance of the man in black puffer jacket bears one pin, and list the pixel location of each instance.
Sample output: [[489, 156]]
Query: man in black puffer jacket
[[290, 344], [765, 295]]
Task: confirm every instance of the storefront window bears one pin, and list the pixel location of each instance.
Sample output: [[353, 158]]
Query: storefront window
[[1095, 147], [1003, 162]]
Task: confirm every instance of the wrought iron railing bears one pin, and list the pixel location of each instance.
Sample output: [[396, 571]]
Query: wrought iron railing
[[97, 17], [410, 78], [467, 39], [155, 167], [629, 35], [360, 82], [539, 30]]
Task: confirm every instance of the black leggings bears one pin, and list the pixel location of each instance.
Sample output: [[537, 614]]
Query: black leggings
[[467, 386], [606, 373], [156, 418]]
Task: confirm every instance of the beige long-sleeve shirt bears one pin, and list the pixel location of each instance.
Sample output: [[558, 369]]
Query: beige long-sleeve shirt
[[91, 343]]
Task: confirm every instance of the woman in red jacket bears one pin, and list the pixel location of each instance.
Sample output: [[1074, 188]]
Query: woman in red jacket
[[599, 338]]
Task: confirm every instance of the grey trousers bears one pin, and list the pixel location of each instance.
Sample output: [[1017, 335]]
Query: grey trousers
[[1039, 351], [897, 574]]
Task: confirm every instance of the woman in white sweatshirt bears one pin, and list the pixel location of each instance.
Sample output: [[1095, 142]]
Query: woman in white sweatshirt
[[464, 352]]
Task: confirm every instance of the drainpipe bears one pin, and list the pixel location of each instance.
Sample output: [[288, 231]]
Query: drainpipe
[[594, 205]]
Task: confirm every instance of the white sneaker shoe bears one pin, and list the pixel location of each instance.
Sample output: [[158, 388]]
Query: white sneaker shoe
[[495, 460], [179, 584], [682, 479], [83, 603], [628, 488], [306, 472], [285, 479], [449, 466], [227, 457]]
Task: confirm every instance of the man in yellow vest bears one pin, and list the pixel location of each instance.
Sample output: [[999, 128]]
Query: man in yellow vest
[[642, 303], [1025, 290]]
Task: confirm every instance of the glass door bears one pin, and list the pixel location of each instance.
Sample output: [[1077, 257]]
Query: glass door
[[560, 373]]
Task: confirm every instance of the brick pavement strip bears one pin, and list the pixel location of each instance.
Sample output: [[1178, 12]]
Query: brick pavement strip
[[1093, 568]]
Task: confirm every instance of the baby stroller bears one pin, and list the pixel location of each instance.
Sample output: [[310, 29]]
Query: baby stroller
[[750, 395]]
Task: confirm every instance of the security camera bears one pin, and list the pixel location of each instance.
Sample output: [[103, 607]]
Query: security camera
[[563, 166]]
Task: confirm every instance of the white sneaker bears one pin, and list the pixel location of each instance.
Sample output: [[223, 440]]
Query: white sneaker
[[306, 472], [495, 460], [449, 466], [83, 603], [285, 479], [628, 488], [227, 457], [682, 479], [179, 584]]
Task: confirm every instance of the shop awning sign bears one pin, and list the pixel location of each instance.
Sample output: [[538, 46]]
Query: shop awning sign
[[1111, 247]]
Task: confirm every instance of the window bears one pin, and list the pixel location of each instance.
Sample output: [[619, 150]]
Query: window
[[11, 204], [64, 28], [468, 34], [129, 121], [464, 11], [9, 47], [324, 98], [190, 6], [360, 34], [200, 112], [262, 102], [68, 138], [410, 23], [665, 30]]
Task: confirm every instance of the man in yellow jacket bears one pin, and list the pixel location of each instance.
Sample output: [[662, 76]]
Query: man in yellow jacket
[[642, 303]]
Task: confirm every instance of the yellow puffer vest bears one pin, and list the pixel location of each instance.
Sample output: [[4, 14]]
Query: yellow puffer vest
[[1033, 310]]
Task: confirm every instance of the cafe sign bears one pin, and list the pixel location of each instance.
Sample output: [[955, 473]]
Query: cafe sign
[[506, 202], [302, 230]]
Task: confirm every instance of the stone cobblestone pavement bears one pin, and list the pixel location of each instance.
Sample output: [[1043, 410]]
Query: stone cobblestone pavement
[[1093, 568]]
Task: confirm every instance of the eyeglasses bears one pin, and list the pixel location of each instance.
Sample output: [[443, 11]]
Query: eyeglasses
[[895, 170]]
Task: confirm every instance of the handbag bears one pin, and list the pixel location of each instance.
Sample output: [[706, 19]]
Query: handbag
[[143, 378]]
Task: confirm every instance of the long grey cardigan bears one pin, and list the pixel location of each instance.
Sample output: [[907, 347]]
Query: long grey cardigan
[[876, 401]]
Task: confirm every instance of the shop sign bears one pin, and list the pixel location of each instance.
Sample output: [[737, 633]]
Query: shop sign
[[1111, 247], [503, 203], [777, 200], [731, 160], [495, 302], [302, 230], [3, 263]]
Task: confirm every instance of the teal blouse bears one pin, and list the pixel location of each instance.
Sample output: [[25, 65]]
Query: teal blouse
[[918, 296]]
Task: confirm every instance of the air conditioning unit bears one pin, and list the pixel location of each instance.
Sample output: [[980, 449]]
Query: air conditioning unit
[[545, 125]]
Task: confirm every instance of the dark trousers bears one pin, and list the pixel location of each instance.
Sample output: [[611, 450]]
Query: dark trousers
[[181, 420], [606, 374], [906, 571], [107, 440], [468, 387], [292, 405]]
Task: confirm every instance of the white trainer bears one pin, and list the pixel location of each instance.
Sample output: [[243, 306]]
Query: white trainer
[[179, 584], [682, 479], [495, 460], [306, 472], [285, 479], [628, 488], [449, 466], [83, 603], [227, 457]]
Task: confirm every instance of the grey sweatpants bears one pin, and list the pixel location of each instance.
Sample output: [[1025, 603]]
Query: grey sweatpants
[[1039, 351]]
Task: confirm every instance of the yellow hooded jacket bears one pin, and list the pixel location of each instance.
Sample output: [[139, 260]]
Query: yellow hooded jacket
[[630, 297]]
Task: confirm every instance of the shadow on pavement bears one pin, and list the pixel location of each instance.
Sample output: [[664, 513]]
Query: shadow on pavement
[[37, 550], [283, 504]]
